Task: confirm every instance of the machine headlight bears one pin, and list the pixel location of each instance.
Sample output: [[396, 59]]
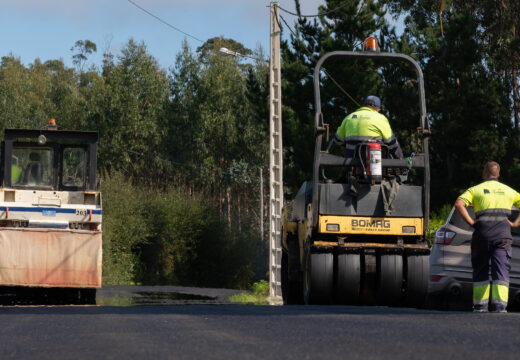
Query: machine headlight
[[332, 227], [408, 229]]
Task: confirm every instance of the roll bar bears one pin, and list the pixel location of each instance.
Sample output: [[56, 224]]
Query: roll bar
[[323, 159]]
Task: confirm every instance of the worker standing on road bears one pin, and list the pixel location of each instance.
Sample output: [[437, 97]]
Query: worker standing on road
[[492, 202], [367, 123]]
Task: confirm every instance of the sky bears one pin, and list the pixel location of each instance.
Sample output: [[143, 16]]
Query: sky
[[48, 29]]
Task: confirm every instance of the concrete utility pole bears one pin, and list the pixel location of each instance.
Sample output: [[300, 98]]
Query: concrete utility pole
[[275, 159], [261, 213]]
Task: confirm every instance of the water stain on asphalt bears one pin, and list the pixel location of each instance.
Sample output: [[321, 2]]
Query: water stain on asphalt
[[154, 298], [121, 295]]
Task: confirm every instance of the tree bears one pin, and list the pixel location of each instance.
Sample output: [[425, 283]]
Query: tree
[[84, 48], [133, 106], [465, 97]]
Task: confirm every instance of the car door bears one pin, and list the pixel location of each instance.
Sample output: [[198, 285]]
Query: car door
[[514, 275]]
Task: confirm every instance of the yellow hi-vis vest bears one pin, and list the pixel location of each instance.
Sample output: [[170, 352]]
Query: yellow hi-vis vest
[[365, 122], [491, 198]]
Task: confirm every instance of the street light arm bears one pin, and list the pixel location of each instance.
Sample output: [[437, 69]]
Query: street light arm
[[226, 51]]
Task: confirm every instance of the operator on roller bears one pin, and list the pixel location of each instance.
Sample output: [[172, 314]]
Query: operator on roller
[[492, 202], [364, 124]]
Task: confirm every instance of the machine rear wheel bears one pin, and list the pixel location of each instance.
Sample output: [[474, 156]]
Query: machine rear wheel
[[318, 280], [418, 267], [390, 279], [349, 278]]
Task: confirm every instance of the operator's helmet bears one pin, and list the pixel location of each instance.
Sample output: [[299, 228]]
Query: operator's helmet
[[372, 100]]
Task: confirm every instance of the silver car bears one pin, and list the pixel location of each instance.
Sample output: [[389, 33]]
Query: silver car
[[450, 282]]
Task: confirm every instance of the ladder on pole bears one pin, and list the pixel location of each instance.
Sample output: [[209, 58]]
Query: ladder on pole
[[275, 160]]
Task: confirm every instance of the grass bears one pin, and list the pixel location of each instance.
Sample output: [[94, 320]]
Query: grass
[[258, 295]]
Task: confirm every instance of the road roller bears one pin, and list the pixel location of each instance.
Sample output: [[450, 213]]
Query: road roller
[[360, 237]]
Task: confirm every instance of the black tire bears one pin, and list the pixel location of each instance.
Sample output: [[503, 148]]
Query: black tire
[[295, 290], [417, 272], [318, 278], [390, 279], [285, 277], [348, 278]]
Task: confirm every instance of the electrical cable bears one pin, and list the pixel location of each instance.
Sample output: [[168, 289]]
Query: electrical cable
[[163, 21], [323, 68], [317, 15]]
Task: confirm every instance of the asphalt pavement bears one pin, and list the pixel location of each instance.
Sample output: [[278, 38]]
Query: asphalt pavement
[[254, 332]]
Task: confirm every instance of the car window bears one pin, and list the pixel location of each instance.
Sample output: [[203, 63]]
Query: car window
[[458, 221]]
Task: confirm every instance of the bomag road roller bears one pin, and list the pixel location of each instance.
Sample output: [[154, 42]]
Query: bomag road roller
[[359, 238]]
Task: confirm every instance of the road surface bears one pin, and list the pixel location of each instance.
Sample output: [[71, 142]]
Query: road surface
[[254, 332]]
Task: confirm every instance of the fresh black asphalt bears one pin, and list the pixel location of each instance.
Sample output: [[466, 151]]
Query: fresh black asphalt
[[254, 332]]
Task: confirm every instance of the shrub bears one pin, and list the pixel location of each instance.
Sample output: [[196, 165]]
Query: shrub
[[154, 237], [124, 228]]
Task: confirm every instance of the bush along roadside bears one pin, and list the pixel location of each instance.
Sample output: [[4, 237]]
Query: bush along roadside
[[155, 237], [258, 294]]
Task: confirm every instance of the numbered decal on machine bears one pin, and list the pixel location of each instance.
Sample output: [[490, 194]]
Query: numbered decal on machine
[[81, 212]]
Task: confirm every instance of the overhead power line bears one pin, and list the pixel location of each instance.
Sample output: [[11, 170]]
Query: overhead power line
[[323, 68], [316, 15], [163, 21]]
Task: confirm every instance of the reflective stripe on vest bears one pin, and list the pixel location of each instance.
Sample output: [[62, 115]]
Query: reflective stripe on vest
[[492, 218], [494, 212]]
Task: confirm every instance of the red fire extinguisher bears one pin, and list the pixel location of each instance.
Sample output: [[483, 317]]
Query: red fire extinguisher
[[373, 163]]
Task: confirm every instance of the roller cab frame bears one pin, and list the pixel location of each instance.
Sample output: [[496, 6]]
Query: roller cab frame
[[340, 245]]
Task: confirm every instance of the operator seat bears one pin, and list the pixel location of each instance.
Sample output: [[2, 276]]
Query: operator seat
[[34, 171]]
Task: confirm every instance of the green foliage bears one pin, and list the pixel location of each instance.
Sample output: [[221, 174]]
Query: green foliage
[[124, 229], [257, 295], [260, 288], [468, 101], [84, 48], [437, 219], [172, 237]]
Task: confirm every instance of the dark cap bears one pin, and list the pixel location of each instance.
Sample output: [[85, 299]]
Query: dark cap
[[372, 100]]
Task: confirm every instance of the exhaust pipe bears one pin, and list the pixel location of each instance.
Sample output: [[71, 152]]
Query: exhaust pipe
[[455, 290]]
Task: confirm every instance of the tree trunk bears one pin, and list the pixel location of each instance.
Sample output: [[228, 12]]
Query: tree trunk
[[220, 202], [238, 215], [516, 105], [228, 195]]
